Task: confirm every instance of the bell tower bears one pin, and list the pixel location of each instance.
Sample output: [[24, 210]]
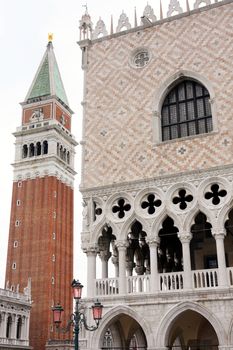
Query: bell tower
[[41, 226]]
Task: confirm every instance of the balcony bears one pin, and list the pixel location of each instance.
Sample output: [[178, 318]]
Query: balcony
[[168, 282]]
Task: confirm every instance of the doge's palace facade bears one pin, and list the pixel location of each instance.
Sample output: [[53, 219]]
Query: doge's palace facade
[[157, 176]]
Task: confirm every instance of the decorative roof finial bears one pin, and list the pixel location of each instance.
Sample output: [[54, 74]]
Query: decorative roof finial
[[111, 26], [86, 12], [123, 22], [199, 2], [149, 13], [100, 29], [50, 37], [174, 6], [161, 10], [135, 17], [85, 25]]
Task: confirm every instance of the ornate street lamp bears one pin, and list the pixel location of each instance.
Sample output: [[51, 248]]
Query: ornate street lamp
[[77, 317]]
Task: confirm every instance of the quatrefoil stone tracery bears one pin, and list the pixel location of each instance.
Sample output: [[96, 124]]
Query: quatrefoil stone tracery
[[151, 204], [141, 59], [182, 199], [215, 194], [121, 208]]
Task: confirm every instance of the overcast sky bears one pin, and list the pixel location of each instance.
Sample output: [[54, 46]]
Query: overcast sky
[[24, 26]]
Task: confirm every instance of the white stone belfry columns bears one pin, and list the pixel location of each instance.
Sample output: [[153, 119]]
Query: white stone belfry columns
[[222, 275], [91, 271], [122, 246], [185, 239], [154, 265]]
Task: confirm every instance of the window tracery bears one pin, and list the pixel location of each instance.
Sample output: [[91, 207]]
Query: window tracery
[[215, 194], [141, 59], [108, 341], [151, 203], [182, 199], [186, 111], [121, 208]]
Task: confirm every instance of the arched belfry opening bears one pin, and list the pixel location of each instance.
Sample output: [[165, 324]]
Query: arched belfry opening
[[202, 246], [192, 331], [138, 253], [170, 249], [123, 333]]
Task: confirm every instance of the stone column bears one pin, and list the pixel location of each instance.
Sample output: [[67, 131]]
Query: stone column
[[122, 246], [154, 277], [156, 121], [2, 316], [27, 324], [13, 327], [222, 272], [104, 257], [129, 268], [115, 262], [185, 239], [4, 322], [91, 272]]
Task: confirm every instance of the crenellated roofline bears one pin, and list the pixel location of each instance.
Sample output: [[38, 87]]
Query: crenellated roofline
[[88, 34]]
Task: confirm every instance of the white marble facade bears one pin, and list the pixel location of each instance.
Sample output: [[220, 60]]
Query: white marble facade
[[14, 319], [158, 211]]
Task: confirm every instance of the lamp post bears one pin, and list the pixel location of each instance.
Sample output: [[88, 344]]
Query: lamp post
[[77, 317]]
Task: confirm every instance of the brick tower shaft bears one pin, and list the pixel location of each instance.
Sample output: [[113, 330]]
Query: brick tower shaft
[[41, 227]]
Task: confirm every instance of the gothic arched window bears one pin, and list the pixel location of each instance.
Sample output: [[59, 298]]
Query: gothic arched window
[[38, 148], [8, 327], [45, 147], [107, 343], [19, 328], [31, 150], [25, 151], [186, 111], [68, 157]]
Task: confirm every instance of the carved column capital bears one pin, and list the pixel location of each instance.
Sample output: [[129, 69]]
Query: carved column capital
[[122, 245], [104, 255], [91, 250], [185, 237], [154, 242], [115, 260], [218, 234]]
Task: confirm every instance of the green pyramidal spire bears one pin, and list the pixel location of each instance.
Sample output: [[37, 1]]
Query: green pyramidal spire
[[47, 81]]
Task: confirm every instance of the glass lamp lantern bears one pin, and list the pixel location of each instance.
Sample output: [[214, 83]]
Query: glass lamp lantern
[[77, 289], [97, 309], [57, 313]]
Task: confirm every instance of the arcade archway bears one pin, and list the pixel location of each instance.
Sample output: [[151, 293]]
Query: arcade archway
[[123, 333], [192, 331]]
